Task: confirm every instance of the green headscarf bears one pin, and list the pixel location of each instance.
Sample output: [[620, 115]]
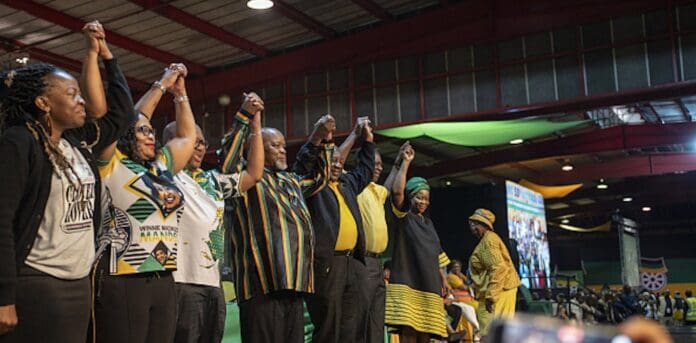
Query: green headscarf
[[416, 184]]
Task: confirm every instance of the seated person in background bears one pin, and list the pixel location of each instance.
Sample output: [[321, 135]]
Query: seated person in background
[[462, 297]]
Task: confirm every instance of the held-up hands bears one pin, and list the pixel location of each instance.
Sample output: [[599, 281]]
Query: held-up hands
[[323, 130], [253, 103], [363, 128], [406, 154], [173, 79], [95, 37]]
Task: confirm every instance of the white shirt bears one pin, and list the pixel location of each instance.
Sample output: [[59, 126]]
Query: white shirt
[[64, 244], [201, 229]]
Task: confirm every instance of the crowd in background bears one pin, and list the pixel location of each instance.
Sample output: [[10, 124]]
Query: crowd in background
[[611, 306]]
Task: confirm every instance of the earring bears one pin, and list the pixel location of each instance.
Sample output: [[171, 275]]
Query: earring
[[49, 127]]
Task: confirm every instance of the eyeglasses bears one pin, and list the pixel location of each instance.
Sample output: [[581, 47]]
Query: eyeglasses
[[146, 130], [201, 142]]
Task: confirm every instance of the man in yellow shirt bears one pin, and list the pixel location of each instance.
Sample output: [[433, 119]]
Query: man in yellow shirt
[[338, 306], [492, 271], [371, 202]]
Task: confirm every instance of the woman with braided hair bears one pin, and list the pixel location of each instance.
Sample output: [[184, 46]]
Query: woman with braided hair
[[49, 204]]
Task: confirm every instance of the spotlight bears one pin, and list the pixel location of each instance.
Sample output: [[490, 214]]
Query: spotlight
[[565, 221], [646, 209], [602, 185], [224, 100], [627, 199], [567, 167], [22, 60], [259, 4], [448, 183], [517, 141]]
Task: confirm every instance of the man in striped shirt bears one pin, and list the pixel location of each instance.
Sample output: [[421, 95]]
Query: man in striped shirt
[[273, 239]]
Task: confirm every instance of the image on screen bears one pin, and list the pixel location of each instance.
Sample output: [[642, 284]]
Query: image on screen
[[527, 226]]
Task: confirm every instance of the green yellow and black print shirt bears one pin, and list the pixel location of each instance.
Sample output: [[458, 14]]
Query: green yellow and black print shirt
[[272, 237]]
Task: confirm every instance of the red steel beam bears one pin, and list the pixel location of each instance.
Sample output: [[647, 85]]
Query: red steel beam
[[611, 139], [62, 61], [374, 9], [76, 24], [397, 38], [644, 165], [457, 24], [303, 19], [202, 26]]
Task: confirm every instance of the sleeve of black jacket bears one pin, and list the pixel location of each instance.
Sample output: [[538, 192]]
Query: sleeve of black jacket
[[120, 113], [15, 147], [360, 177]]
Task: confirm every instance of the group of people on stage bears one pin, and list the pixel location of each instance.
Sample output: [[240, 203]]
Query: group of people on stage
[[107, 234]]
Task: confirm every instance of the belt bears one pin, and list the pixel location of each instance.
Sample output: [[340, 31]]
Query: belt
[[348, 253], [372, 254]]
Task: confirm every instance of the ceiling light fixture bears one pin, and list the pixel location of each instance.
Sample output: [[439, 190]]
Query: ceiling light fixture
[[567, 167], [646, 209], [627, 199], [517, 141], [448, 183], [565, 221], [259, 4], [602, 185]]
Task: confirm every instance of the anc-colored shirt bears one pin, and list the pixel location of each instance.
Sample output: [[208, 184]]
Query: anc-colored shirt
[[143, 222], [201, 229], [491, 267], [273, 239], [347, 228], [371, 201]]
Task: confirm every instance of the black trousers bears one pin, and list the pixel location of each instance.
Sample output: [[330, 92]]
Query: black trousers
[[137, 308], [50, 309], [338, 308], [274, 317], [375, 293], [200, 314]]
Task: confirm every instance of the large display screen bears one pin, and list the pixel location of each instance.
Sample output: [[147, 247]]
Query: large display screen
[[527, 227]]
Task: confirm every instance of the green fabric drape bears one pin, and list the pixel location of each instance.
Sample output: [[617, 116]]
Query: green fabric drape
[[481, 133]]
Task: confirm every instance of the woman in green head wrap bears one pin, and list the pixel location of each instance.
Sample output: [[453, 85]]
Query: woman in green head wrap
[[414, 305]]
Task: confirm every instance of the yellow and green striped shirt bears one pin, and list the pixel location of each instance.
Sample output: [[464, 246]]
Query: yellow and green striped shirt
[[272, 238]]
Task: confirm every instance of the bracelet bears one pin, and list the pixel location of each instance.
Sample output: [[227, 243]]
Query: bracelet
[[180, 99], [160, 87], [246, 113]]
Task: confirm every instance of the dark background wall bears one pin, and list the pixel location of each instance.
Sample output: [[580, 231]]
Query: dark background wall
[[451, 207]]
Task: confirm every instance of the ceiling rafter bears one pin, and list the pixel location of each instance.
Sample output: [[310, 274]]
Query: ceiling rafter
[[195, 23], [76, 24], [59, 60], [611, 139], [303, 19], [684, 109], [374, 9]]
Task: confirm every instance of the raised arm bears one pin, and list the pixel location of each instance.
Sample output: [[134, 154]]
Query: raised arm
[[90, 79], [313, 162], [389, 182], [234, 142], [182, 145], [399, 181], [103, 132], [361, 176], [347, 145]]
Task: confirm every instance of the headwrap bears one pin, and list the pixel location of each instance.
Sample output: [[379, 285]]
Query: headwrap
[[416, 184]]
